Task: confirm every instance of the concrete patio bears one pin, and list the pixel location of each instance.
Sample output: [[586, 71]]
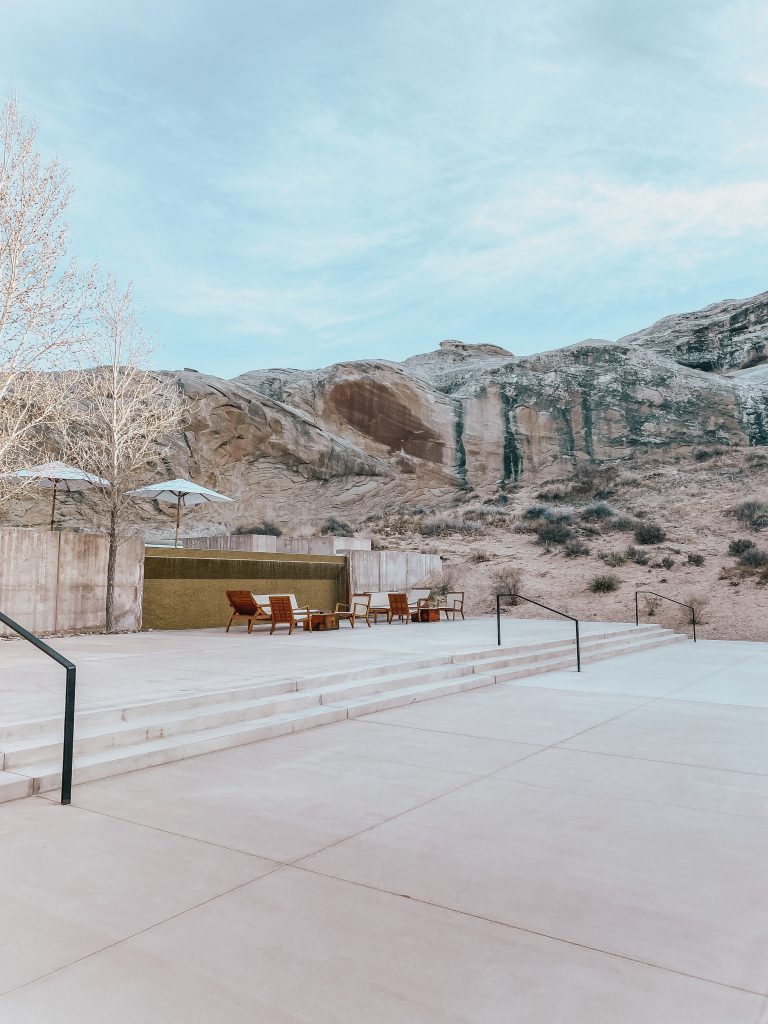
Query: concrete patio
[[566, 850]]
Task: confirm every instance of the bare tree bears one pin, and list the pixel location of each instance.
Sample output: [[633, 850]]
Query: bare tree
[[126, 416], [42, 296]]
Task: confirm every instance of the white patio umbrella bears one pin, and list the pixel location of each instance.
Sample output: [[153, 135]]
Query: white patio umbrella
[[182, 493], [58, 477]]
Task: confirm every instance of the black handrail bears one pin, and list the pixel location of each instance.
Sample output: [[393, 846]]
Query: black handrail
[[69, 702], [565, 615], [665, 598]]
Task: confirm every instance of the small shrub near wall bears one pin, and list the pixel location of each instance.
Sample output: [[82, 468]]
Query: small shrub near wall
[[604, 583]]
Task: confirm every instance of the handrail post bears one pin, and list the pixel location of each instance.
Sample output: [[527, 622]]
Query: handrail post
[[69, 701], [637, 609], [693, 620], [69, 736], [578, 648], [498, 619]]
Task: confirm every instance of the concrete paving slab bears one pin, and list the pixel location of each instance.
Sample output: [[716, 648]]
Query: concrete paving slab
[[627, 778], [680, 732], [629, 878], [73, 882], [298, 947], [281, 810], [515, 711]]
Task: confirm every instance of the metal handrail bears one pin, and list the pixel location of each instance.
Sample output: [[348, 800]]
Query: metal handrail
[[530, 600], [665, 598], [69, 702]]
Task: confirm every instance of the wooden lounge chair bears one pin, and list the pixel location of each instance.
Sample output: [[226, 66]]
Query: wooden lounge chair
[[399, 607], [284, 613], [244, 606], [451, 604], [359, 608]]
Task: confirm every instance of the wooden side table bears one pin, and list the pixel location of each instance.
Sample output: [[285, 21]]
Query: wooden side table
[[320, 621]]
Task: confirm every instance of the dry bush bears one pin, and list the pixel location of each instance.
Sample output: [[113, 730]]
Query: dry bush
[[604, 583], [590, 480], [444, 525], [509, 581], [695, 559], [699, 603], [738, 547], [575, 548], [651, 604], [479, 555], [649, 533], [752, 513]]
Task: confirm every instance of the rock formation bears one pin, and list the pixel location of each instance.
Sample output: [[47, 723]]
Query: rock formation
[[360, 437], [357, 437]]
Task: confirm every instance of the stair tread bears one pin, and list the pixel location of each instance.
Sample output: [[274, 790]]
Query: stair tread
[[477, 680]]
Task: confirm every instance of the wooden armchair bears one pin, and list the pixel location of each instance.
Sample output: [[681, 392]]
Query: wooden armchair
[[451, 604], [285, 614], [244, 606], [358, 608], [399, 607]]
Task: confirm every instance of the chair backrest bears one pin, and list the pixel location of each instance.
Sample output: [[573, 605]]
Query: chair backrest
[[242, 602], [418, 595], [398, 604], [360, 601], [262, 600], [455, 598], [281, 608], [380, 600]]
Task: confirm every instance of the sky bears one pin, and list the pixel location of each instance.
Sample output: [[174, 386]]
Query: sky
[[308, 182]]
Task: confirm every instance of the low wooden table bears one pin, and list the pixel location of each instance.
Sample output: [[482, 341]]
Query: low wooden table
[[320, 621], [426, 615]]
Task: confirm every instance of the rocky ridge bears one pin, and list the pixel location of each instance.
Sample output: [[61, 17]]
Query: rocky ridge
[[357, 437]]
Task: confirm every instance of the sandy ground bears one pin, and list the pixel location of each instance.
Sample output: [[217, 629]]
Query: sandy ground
[[691, 500]]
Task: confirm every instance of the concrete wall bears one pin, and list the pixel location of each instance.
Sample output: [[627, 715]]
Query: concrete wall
[[390, 571], [54, 582], [186, 588]]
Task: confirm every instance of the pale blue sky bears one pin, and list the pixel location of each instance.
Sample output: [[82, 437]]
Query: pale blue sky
[[296, 183]]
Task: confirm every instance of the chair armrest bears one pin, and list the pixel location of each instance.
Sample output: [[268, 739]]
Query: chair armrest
[[341, 607]]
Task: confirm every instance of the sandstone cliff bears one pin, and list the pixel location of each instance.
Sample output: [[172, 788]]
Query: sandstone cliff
[[358, 437]]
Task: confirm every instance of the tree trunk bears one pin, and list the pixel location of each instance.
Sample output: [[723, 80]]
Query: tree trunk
[[111, 565]]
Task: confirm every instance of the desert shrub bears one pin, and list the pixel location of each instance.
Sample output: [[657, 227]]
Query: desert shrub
[[604, 583], [264, 529], [552, 533], [667, 562], [336, 527], [535, 512], [703, 454], [552, 494], [754, 558], [479, 556], [738, 547], [491, 517], [509, 582], [622, 524], [651, 604], [575, 548], [649, 533], [699, 603], [636, 555], [614, 558], [597, 512], [695, 559], [589, 479], [752, 513], [442, 526]]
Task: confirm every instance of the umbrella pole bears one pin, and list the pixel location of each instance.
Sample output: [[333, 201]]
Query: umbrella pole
[[178, 518], [53, 505]]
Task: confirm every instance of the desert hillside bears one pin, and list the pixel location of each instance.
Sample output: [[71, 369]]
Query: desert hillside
[[694, 528]]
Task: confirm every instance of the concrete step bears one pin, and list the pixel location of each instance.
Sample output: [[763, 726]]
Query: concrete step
[[546, 646], [568, 649], [560, 663], [14, 787], [412, 694], [155, 727], [96, 717], [47, 776]]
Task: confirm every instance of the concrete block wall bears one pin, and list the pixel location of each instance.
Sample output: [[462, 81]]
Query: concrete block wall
[[281, 545], [53, 582]]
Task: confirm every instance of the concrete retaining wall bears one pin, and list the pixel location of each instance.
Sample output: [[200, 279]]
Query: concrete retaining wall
[[390, 571], [53, 582]]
